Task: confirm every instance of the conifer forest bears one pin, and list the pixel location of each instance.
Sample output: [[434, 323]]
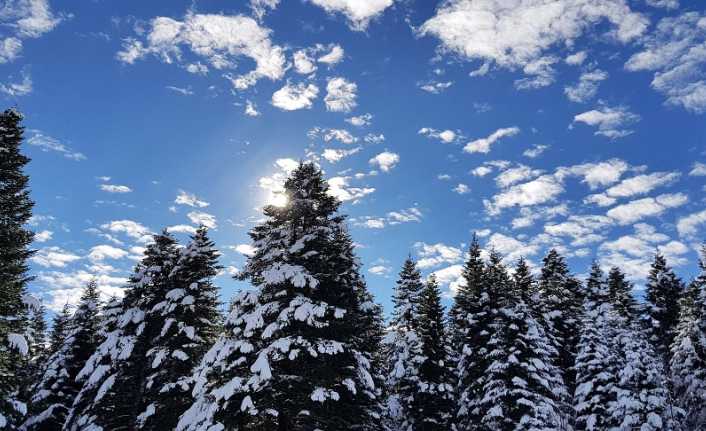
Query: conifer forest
[[307, 347]]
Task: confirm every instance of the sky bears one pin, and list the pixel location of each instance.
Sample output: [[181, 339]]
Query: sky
[[573, 124]]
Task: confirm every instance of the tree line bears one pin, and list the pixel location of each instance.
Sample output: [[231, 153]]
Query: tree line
[[306, 347]]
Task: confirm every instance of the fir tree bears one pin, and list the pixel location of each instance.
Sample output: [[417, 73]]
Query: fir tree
[[596, 361], [471, 321], [663, 292], [56, 388], [620, 292], [59, 328], [15, 211], [561, 302], [688, 363], [433, 404], [404, 347], [288, 360]]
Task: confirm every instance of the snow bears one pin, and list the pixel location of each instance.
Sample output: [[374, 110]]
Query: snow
[[19, 343]]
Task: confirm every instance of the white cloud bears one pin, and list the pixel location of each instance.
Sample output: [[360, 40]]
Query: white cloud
[[335, 155], [698, 170], [182, 228], [675, 53], [688, 226], [245, 249], [340, 188], [515, 175], [461, 189], [190, 199], [374, 223], [128, 227], [341, 135], [435, 87], [23, 19], [535, 151], [611, 122], [18, 89], [510, 248], [292, 97], [517, 34], [261, 7], [587, 87], [380, 270], [445, 136], [576, 59], [202, 218], [528, 215], [385, 161], [481, 171], [596, 174], [333, 57], [220, 39], [541, 190], [648, 207], [53, 257], [102, 252], [114, 188], [637, 185], [340, 95], [360, 120], [483, 145], [10, 49], [181, 90], [303, 63], [404, 216], [432, 255], [47, 143], [583, 229], [358, 12], [43, 236], [251, 109], [65, 288], [450, 276], [667, 4]]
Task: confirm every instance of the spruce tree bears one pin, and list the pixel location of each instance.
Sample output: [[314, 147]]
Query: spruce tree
[[404, 348], [561, 307], [15, 212], [620, 292], [688, 363], [596, 362], [522, 388], [59, 328], [663, 292], [471, 321], [433, 403], [54, 392], [288, 360]]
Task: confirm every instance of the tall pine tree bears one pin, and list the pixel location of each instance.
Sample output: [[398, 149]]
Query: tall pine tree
[[663, 292], [15, 212], [289, 358], [620, 293]]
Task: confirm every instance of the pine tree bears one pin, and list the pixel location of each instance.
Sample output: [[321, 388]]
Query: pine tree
[[561, 306], [190, 324], [620, 292], [471, 321], [59, 328], [288, 360], [433, 403], [114, 377], [404, 348], [56, 388], [15, 212], [688, 363], [596, 362], [663, 291]]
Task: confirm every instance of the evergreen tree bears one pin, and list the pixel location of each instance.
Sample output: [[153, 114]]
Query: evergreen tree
[[663, 291], [522, 388], [59, 328], [404, 348], [561, 306], [433, 404], [471, 320], [54, 392], [688, 363], [596, 361], [620, 292], [15, 212], [288, 360]]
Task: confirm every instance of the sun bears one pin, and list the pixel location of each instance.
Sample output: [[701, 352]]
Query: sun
[[278, 199]]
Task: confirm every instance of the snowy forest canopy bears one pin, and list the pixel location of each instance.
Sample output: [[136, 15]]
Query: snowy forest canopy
[[308, 348]]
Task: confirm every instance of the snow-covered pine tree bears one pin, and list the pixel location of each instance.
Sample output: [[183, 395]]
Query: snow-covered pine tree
[[15, 212], [470, 327], [59, 328], [432, 407], [114, 377], [190, 324], [620, 292], [522, 388], [403, 347], [561, 307], [596, 362], [663, 291], [36, 336], [688, 363], [288, 360], [54, 392]]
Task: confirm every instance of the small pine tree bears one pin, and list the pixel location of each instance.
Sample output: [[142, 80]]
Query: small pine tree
[[433, 403], [54, 392], [59, 329], [620, 293], [663, 291], [15, 212], [688, 363]]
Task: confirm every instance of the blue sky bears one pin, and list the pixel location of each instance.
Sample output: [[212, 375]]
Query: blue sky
[[576, 124]]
